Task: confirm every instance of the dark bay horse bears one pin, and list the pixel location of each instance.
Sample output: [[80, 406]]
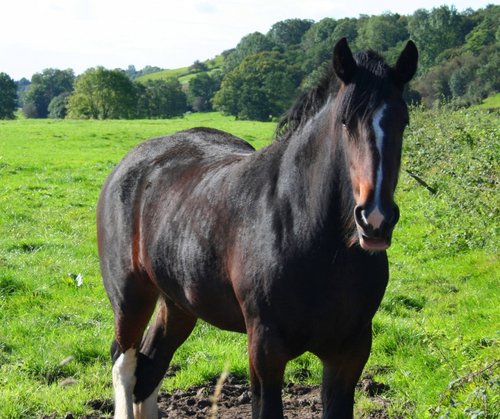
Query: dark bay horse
[[286, 244]]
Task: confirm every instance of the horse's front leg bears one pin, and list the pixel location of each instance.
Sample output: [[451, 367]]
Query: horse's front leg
[[340, 376], [267, 366]]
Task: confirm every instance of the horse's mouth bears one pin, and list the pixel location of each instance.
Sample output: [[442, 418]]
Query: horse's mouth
[[374, 244]]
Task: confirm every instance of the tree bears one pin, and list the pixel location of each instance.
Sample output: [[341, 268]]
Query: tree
[[161, 99], [133, 73], [484, 32], [459, 80], [103, 94], [382, 32], [44, 87], [22, 88], [317, 44], [317, 47], [250, 44], [347, 27], [260, 87], [289, 32], [486, 77], [58, 106], [197, 67], [435, 32], [8, 96], [201, 90]]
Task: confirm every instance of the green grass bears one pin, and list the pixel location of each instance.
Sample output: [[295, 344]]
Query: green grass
[[490, 102], [165, 74], [437, 327], [51, 173], [436, 334], [184, 74]]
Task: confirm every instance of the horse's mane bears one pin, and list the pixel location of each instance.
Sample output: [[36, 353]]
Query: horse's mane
[[372, 72], [307, 105]]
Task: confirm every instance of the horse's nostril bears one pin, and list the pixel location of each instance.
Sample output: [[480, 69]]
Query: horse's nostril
[[364, 217], [359, 215], [392, 216]]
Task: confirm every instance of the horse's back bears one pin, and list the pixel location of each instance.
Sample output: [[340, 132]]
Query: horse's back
[[192, 147], [163, 162], [196, 144]]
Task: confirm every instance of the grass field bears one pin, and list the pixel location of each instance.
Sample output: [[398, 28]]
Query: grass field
[[436, 334], [165, 74], [491, 102], [184, 74]]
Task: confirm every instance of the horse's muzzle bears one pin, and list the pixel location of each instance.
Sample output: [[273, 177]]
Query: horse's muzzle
[[375, 226]]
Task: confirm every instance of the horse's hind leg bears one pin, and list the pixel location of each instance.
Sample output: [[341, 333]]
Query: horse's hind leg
[[170, 329], [133, 302]]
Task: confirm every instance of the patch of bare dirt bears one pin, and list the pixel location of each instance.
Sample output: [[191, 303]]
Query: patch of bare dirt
[[234, 401]]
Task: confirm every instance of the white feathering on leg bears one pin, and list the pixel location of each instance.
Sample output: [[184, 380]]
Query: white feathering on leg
[[124, 380], [148, 409]]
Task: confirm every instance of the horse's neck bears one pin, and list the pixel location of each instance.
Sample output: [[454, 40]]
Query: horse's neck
[[313, 174]]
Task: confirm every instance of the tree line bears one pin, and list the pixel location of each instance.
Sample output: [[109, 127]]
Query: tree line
[[98, 93], [459, 61]]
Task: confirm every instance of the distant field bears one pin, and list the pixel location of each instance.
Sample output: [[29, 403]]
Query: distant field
[[184, 74], [491, 102], [165, 74], [436, 334]]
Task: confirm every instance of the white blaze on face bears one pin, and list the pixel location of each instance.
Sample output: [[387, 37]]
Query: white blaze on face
[[375, 218]]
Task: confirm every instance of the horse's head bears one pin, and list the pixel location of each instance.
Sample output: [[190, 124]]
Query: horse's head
[[373, 115]]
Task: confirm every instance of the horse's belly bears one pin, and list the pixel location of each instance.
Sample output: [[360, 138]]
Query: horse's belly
[[216, 305], [204, 295]]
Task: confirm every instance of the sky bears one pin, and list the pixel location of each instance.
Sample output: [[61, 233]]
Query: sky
[[80, 34]]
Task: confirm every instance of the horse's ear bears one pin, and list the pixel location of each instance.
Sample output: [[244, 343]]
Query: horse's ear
[[406, 65], [343, 61]]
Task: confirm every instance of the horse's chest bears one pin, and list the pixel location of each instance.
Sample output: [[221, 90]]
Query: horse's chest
[[332, 317], [329, 308]]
